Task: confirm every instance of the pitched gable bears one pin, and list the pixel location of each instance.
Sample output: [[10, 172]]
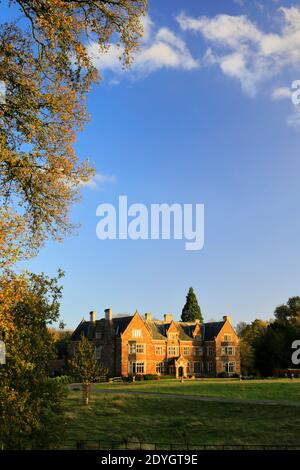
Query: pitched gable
[[197, 330], [135, 325], [172, 328], [227, 328]]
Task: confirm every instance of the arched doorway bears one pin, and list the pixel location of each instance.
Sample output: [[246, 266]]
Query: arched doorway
[[180, 371]]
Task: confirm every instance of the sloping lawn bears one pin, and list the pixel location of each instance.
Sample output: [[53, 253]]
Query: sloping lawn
[[285, 389], [164, 420]]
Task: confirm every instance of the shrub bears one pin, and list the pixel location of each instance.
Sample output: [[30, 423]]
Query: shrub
[[223, 375], [62, 379], [151, 377], [139, 377]]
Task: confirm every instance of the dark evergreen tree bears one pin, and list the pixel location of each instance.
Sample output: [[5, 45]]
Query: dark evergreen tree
[[191, 311]]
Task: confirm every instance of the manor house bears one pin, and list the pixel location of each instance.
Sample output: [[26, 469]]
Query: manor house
[[136, 345]]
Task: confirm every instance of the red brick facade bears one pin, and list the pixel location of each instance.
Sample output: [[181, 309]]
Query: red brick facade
[[137, 346]]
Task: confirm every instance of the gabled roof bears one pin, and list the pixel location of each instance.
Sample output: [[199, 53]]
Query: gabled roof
[[185, 330], [87, 328], [211, 330], [158, 329], [82, 329], [120, 324]]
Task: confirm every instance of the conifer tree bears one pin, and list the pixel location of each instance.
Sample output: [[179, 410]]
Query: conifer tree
[[191, 311]]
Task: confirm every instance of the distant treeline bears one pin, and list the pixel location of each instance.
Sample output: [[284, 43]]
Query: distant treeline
[[266, 346]]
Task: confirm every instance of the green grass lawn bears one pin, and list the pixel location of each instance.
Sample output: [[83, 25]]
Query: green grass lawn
[[164, 420], [280, 389]]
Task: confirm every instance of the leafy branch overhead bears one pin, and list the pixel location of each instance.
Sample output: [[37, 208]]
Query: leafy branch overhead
[[47, 73]]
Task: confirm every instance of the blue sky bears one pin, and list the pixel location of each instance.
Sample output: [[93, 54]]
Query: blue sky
[[204, 116]]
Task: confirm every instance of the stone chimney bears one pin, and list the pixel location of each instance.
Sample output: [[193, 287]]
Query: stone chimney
[[93, 316], [227, 318], [108, 314], [168, 317], [148, 316]]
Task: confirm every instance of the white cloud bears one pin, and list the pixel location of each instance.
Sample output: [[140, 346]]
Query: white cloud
[[98, 181], [159, 49], [281, 93], [245, 52]]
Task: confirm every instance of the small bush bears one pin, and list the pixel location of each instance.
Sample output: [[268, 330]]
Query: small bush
[[223, 375], [139, 377], [62, 379], [150, 377]]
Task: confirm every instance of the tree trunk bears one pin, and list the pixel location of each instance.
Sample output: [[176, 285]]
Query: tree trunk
[[86, 393]]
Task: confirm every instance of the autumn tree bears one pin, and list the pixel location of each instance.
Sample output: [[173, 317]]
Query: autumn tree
[[30, 404], [85, 367], [47, 71], [191, 310]]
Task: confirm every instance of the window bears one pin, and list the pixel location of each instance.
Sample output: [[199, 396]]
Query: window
[[210, 367], [228, 351], [139, 367], [140, 348], [98, 352], [186, 350], [136, 333], [136, 348], [173, 350], [159, 350], [210, 351], [227, 338], [136, 367], [197, 351], [159, 367], [98, 335], [172, 335], [229, 367], [198, 367]]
